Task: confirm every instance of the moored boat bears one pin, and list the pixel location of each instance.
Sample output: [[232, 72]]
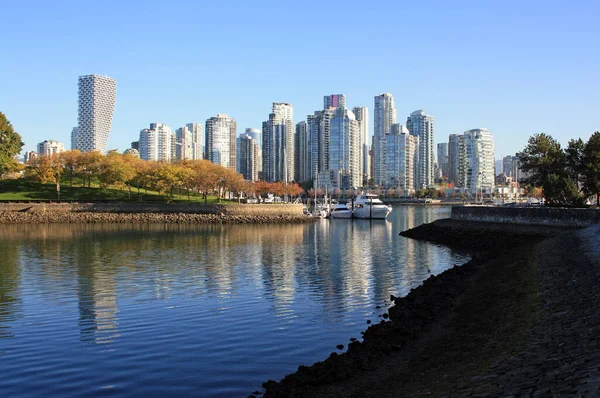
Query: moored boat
[[369, 206], [340, 211]]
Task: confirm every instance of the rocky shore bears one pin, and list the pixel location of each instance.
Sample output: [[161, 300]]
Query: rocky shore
[[49, 217], [520, 319]]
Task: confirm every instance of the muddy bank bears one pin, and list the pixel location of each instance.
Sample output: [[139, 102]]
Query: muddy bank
[[49, 217], [451, 335]]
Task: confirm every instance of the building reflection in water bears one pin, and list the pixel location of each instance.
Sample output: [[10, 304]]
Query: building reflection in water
[[330, 266], [10, 275]]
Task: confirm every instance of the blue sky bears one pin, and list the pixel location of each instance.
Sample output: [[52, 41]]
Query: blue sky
[[516, 68]]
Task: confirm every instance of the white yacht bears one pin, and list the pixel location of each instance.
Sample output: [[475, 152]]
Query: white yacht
[[369, 206], [340, 211]]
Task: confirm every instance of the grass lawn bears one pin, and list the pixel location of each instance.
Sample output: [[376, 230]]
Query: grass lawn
[[26, 190]]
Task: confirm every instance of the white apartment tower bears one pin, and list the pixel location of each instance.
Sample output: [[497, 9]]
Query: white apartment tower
[[362, 117], [50, 147], [157, 143], [476, 160], [344, 150], [384, 116], [278, 144], [221, 140], [421, 125], [197, 140], [401, 159], [183, 144], [96, 105]]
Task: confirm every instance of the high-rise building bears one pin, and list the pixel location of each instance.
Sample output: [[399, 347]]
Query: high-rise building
[[334, 101], [74, 138], [344, 150], [442, 159], [248, 157], [511, 166], [157, 143], [362, 117], [50, 147], [401, 158], [183, 144], [384, 115], [221, 140], [135, 145], [319, 130], [421, 125], [453, 141], [302, 152], [197, 140], [278, 144], [256, 134], [97, 95], [476, 160]]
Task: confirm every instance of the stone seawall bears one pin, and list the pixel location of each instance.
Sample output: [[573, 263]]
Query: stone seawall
[[529, 215], [158, 208], [49, 217]]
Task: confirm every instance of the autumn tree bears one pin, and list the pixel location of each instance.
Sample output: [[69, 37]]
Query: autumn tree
[[45, 169], [72, 164], [10, 146]]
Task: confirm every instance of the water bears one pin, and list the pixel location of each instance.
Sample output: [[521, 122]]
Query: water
[[177, 310]]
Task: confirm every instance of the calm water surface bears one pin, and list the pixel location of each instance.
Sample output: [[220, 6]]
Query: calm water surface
[[172, 310]]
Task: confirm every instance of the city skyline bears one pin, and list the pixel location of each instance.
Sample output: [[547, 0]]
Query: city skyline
[[515, 69]]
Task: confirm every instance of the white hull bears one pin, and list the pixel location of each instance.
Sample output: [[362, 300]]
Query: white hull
[[341, 214], [377, 213]]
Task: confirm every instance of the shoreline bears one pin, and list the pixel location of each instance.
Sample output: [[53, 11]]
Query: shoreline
[[460, 331], [49, 217]]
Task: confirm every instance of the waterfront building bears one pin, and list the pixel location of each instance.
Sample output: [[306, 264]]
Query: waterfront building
[[421, 125], [362, 117], [442, 159], [344, 150], [402, 155], [319, 131], [196, 141], [302, 153], [157, 143], [334, 101], [476, 160], [278, 144], [248, 159], [384, 116], [96, 105], [221, 140], [50, 147], [453, 140], [183, 144], [256, 134]]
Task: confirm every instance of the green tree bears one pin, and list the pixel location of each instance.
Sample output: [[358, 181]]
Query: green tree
[[541, 157], [561, 190], [591, 167], [10, 146], [574, 160]]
